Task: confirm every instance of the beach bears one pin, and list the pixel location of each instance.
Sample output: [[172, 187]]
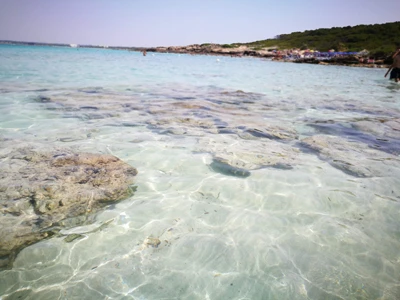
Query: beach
[[255, 179]]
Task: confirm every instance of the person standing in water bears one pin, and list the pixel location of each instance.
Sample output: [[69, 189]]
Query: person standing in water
[[395, 67]]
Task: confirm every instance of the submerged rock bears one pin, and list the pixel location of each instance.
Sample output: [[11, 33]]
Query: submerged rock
[[223, 167], [249, 154], [353, 158], [272, 132], [42, 99], [376, 135], [72, 237], [152, 242], [40, 188], [182, 126], [383, 130]]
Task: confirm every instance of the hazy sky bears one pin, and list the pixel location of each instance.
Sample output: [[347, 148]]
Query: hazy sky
[[178, 22]]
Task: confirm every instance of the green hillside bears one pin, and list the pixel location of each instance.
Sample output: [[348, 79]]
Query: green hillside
[[378, 39]]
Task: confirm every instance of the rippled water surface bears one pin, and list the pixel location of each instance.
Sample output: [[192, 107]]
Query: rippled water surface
[[260, 179]]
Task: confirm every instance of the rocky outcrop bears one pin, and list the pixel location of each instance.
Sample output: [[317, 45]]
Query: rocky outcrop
[[40, 188], [270, 52], [215, 49]]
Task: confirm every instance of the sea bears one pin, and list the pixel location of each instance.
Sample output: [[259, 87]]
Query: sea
[[230, 184]]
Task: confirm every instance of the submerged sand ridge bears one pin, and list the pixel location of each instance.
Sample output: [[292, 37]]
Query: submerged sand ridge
[[41, 187]]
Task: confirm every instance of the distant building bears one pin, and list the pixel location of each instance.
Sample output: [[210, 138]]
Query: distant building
[[73, 45]]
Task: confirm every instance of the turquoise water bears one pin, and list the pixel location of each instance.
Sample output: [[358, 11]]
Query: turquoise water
[[297, 226]]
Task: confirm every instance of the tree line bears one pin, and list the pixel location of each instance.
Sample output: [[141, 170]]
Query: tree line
[[379, 39]]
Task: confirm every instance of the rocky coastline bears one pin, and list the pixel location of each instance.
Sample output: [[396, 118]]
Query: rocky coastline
[[266, 53], [216, 49], [271, 53]]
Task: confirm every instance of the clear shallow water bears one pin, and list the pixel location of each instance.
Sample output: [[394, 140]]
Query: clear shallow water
[[298, 227]]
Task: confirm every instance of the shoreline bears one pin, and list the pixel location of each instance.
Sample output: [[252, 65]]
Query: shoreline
[[226, 50], [244, 51]]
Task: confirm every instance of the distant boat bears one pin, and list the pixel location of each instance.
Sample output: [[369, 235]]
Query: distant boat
[[73, 45]]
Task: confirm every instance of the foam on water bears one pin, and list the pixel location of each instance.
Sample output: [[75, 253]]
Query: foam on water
[[299, 227]]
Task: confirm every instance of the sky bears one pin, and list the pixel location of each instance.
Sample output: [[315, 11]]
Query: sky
[[151, 23]]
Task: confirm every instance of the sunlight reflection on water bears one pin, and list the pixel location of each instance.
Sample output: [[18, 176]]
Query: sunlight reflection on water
[[301, 226]]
